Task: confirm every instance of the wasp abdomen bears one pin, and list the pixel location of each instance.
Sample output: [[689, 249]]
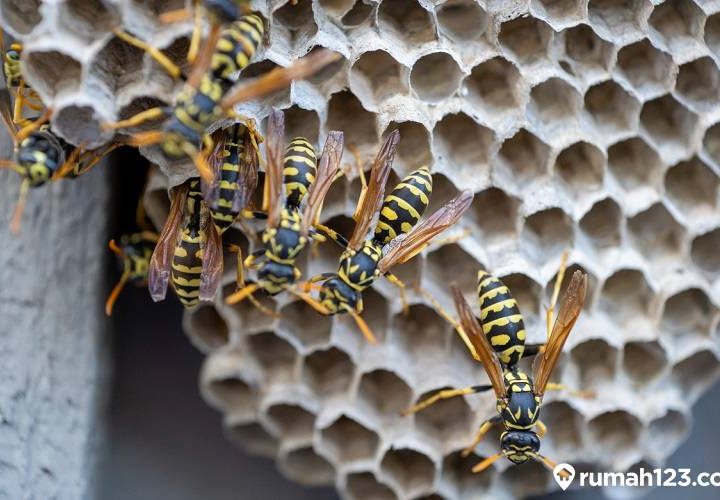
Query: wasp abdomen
[[187, 262], [299, 170], [236, 46], [502, 322], [222, 211], [404, 206]]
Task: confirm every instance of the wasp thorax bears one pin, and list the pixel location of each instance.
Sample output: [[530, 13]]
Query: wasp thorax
[[519, 446]]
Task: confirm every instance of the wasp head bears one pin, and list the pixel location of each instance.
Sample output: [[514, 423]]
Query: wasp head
[[519, 446]]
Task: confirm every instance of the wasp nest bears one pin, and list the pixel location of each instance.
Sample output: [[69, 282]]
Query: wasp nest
[[589, 126]]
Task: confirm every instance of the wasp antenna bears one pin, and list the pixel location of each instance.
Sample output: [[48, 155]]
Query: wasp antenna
[[115, 248], [110, 302], [364, 328], [488, 462], [242, 294], [20, 207], [309, 300]]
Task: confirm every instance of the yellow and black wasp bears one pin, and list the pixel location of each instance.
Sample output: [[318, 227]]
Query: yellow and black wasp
[[519, 397], [289, 180], [134, 251], [188, 251], [396, 239]]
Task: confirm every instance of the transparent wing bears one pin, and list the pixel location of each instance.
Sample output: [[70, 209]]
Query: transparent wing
[[403, 249], [248, 178], [161, 260], [569, 312], [327, 169], [372, 200], [273, 193], [474, 332], [215, 160], [212, 258], [6, 112]]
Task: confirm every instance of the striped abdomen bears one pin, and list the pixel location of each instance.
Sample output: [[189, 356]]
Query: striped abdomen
[[299, 170], [236, 46], [501, 320], [187, 259], [404, 206], [222, 210]]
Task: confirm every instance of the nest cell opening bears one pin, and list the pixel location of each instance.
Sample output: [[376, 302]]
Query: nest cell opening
[[231, 393], [118, 64], [581, 166], [254, 438], [602, 223], [560, 12], [384, 392], [79, 125], [413, 150], [21, 15], [596, 361], [615, 434], [635, 164], [548, 234], [90, 19], [347, 440], [297, 21], [495, 213], [338, 8], [435, 77], [525, 39], [52, 72], [301, 122], [554, 101], [302, 322], [650, 70], [449, 420], [644, 361], [656, 233], [669, 123], [276, 355], [704, 251], [677, 22], [407, 21], [328, 372], [452, 260], [626, 295], [699, 83], [457, 471], [528, 480], [463, 144], [565, 427], [693, 188], [667, 432], [292, 421], [346, 113], [411, 470], [359, 13], [462, 20], [523, 158], [613, 110], [689, 312], [586, 49], [207, 328], [617, 18], [363, 485], [695, 374], [379, 76], [712, 33], [422, 331], [493, 86], [308, 468]]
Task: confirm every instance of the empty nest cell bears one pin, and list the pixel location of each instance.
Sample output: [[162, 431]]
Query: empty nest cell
[[704, 251], [359, 13], [596, 361], [347, 440], [522, 159], [90, 19], [412, 471], [307, 467], [618, 19], [678, 23], [650, 70], [635, 164], [232, 394], [276, 355], [581, 166], [644, 361], [302, 322], [421, 331], [688, 313], [338, 8], [530, 479], [292, 421], [493, 86], [698, 82], [377, 76], [602, 223], [328, 372], [495, 214], [463, 145], [554, 102], [362, 485], [21, 15], [117, 64], [452, 260], [384, 393], [52, 72], [346, 113], [138, 105], [206, 327], [565, 427], [526, 40], [695, 373], [457, 471], [587, 51], [435, 77], [547, 234], [613, 110], [462, 20], [615, 434], [406, 22], [712, 33], [656, 233], [413, 150], [296, 21], [447, 421], [711, 142], [79, 124], [693, 188], [626, 295], [253, 437], [667, 432], [301, 122]]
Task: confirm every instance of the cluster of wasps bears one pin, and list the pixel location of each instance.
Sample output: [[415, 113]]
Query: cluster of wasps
[[389, 229]]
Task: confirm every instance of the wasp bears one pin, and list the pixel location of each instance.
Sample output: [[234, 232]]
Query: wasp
[[289, 180], [397, 236], [519, 396], [134, 251]]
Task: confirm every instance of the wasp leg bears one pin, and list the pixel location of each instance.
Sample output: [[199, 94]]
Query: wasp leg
[[541, 428], [251, 259], [552, 386], [19, 106], [533, 349], [444, 394], [138, 119], [163, 60], [253, 214], [35, 125], [556, 292], [194, 47], [484, 428], [333, 235], [241, 285], [361, 173], [401, 286]]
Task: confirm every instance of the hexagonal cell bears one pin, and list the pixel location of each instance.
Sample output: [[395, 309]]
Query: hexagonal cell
[[348, 441], [522, 159], [613, 110], [668, 432], [711, 142], [435, 77], [678, 23], [463, 144], [656, 233], [688, 313], [449, 420], [296, 22], [647, 68], [615, 433], [596, 361], [407, 21], [695, 374], [326, 78], [554, 101], [495, 213], [559, 13], [292, 421], [231, 393], [52, 72], [526, 40], [254, 438], [89, 19], [634, 164], [301, 122], [587, 51], [301, 321], [693, 188], [452, 260], [602, 223], [79, 125], [626, 295], [328, 372], [276, 355], [617, 19], [457, 471], [375, 314], [249, 316], [581, 166], [206, 327], [698, 82], [362, 485], [547, 234], [704, 251], [411, 470], [337, 8], [644, 361], [592, 286], [385, 393], [359, 13], [565, 427], [421, 331], [307, 467], [493, 86], [462, 20], [378, 76], [530, 479], [712, 33], [670, 125], [21, 15], [414, 148], [138, 105], [346, 113], [117, 64]]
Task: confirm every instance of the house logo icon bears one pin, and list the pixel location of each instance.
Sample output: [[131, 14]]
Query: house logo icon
[[564, 475]]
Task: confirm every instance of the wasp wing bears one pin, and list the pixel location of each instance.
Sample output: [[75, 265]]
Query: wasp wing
[[161, 260], [326, 172], [212, 257], [248, 176], [215, 160], [273, 192], [403, 249], [569, 312], [473, 330], [371, 201], [6, 112], [204, 59]]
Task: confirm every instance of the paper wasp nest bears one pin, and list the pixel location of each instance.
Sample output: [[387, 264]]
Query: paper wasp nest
[[592, 126]]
